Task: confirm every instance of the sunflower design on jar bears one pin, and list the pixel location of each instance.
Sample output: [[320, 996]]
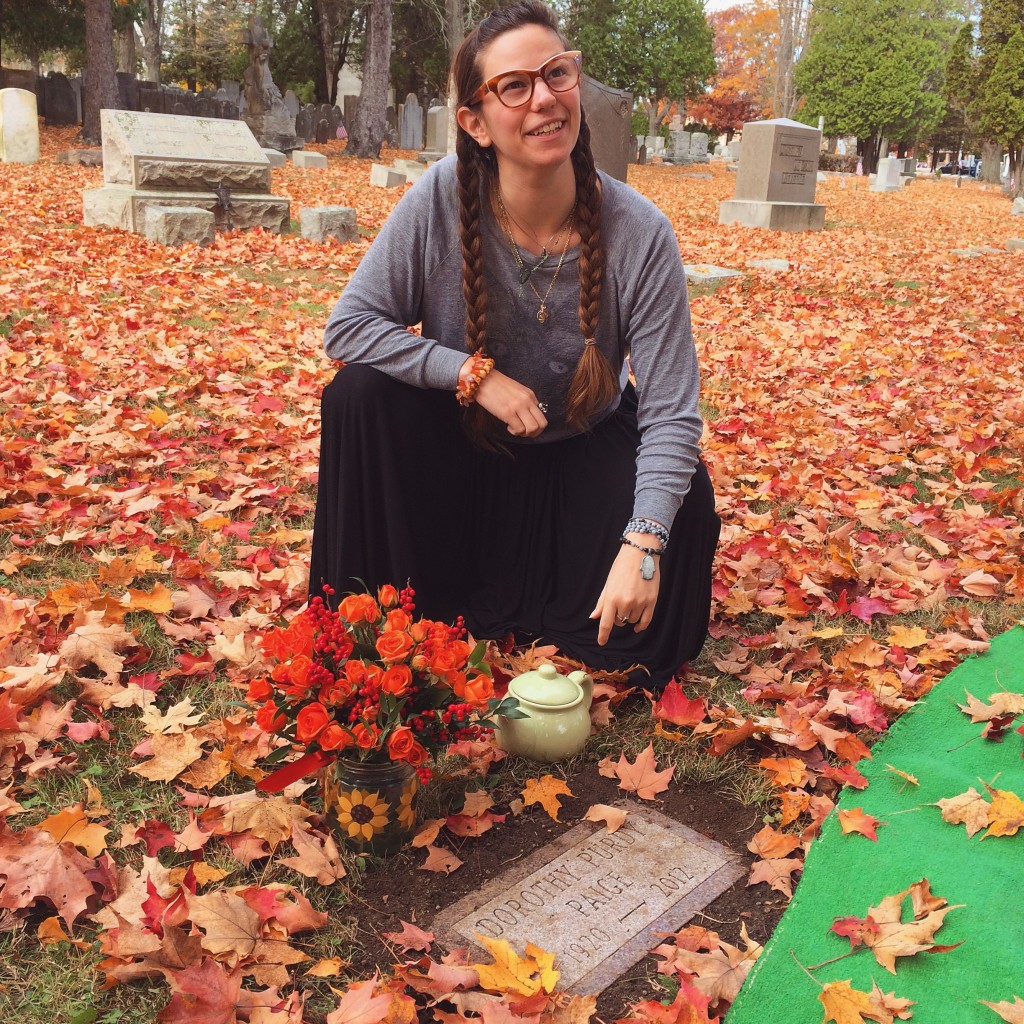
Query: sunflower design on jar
[[362, 815], [406, 813]]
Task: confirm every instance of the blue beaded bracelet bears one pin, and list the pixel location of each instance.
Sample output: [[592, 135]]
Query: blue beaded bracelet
[[640, 525]]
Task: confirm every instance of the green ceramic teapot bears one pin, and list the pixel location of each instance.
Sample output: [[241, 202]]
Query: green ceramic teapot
[[556, 715]]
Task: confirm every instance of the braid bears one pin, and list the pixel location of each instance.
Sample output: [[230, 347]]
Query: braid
[[594, 383], [473, 173]]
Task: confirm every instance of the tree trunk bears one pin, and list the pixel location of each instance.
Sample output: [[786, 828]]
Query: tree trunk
[[991, 158], [100, 85], [369, 126], [151, 30], [1016, 171]]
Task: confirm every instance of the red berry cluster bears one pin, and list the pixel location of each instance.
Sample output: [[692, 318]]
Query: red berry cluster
[[406, 599]]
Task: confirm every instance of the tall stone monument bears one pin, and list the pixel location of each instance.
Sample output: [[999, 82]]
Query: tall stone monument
[[265, 112], [19, 127], [608, 115], [776, 179], [157, 162]]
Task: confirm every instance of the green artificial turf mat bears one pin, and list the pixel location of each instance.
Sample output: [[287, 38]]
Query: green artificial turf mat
[[845, 875]]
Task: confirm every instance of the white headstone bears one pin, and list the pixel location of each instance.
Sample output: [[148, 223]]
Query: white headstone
[[887, 178], [19, 127], [411, 129], [307, 158], [437, 130], [699, 148], [165, 151]]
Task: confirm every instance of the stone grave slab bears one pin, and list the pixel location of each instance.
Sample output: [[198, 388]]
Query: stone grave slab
[[597, 899], [1014, 243], [158, 151], [708, 276], [309, 158]]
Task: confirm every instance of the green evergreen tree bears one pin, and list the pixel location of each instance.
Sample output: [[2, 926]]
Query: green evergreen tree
[[1001, 105], [660, 50], [30, 31], [874, 69]]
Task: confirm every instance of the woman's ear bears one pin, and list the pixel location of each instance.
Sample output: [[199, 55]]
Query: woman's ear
[[473, 124]]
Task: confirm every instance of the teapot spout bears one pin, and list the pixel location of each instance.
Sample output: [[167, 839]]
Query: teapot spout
[[586, 684]]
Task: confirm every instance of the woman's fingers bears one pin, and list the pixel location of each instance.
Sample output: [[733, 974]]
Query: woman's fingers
[[512, 403]]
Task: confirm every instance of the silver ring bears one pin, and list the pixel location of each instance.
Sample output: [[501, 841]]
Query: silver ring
[[543, 406], [621, 620]]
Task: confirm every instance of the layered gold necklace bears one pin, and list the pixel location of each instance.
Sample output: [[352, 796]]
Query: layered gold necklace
[[525, 272]]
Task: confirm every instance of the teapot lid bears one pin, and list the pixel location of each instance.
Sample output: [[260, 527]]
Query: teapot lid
[[545, 686]]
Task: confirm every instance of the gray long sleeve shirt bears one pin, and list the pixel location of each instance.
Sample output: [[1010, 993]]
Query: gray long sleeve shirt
[[412, 274]]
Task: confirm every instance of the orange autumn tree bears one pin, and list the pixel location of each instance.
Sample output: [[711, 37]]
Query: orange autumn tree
[[746, 40]]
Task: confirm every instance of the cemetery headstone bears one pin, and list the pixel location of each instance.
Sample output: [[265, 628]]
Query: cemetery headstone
[[777, 178], [386, 177], [699, 148], [233, 90], [19, 127], [127, 90], [175, 225], [437, 131], [411, 130], [597, 899], [61, 106], [151, 98], [291, 101], [162, 160], [608, 113], [735, 149], [323, 130], [265, 112], [1017, 207], [203, 107], [678, 151], [887, 177]]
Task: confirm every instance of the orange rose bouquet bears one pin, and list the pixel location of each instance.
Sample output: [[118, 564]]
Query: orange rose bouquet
[[371, 681]]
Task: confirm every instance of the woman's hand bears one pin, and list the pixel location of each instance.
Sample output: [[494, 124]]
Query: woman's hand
[[627, 598], [512, 403]]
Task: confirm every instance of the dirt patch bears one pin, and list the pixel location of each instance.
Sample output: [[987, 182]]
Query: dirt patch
[[398, 890]]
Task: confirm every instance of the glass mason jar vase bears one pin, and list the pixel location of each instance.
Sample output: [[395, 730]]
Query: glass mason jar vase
[[371, 803]]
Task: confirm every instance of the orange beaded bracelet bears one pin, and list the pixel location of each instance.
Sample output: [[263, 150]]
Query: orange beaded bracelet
[[467, 389]]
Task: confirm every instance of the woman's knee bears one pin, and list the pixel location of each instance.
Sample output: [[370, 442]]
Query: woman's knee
[[355, 384]]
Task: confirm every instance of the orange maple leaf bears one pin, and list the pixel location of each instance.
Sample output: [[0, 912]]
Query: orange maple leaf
[[855, 820], [545, 791], [642, 776]]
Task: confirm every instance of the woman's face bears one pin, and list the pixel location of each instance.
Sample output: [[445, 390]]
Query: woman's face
[[542, 132]]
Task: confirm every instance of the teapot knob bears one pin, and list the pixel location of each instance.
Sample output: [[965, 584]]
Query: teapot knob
[[547, 670]]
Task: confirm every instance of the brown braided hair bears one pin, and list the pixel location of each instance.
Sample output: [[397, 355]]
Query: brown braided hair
[[594, 383]]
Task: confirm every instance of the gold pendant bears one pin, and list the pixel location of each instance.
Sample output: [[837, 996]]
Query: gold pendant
[[542, 313]]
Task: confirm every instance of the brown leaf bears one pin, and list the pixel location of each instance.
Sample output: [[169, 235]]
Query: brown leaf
[[642, 776], [410, 937], [97, 643], [613, 817], [171, 756], [231, 927], [440, 859], [317, 856], [1012, 1013], [359, 1005], [970, 809]]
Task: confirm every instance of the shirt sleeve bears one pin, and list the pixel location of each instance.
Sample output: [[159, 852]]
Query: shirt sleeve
[[385, 294], [659, 341]]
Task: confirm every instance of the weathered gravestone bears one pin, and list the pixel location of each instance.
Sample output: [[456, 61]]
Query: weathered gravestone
[[777, 178], [699, 148], [597, 899], [19, 127], [608, 116], [678, 149], [304, 125], [411, 134], [127, 90], [168, 161], [437, 132], [291, 102], [61, 105]]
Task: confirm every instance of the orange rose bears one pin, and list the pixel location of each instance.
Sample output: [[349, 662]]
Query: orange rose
[[478, 690], [359, 608], [334, 738], [397, 619], [355, 673], [365, 736], [387, 596], [259, 691], [311, 721], [394, 645], [445, 660], [397, 680], [336, 692], [417, 755], [419, 630], [401, 743], [268, 718]]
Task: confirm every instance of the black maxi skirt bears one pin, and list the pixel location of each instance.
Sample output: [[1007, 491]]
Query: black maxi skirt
[[519, 544]]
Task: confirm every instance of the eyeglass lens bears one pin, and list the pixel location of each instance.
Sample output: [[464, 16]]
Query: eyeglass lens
[[560, 74]]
